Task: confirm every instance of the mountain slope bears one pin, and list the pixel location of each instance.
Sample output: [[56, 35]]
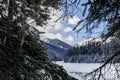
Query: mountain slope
[[58, 43], [56, 49], [93, 50]]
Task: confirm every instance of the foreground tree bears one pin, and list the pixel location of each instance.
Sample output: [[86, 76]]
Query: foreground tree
[[22, 56], [108, 12]]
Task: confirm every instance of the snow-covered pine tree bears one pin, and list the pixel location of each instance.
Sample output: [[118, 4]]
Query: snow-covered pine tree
[[22, 56]]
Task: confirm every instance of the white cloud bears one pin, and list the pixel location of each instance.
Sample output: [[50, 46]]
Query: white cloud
[[55, 15], [52, 25], [70, 38], [67, 29], [49, 29], [41, 28], [58, 26], [73, 20], [59, 36], [53, 36]]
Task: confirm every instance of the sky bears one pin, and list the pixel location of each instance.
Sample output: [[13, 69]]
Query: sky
[[63, 29]]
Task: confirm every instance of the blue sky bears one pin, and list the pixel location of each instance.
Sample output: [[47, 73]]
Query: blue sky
[[63, 28]]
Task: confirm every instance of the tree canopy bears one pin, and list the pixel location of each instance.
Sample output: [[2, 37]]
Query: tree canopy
[[22, 55], [108, 12]]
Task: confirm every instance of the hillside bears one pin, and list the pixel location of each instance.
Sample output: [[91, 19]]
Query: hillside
[[93, 50], [56, 49]]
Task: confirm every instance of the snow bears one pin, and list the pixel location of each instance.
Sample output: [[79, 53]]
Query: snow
[[77, 69], [83, 43], [42, 71]]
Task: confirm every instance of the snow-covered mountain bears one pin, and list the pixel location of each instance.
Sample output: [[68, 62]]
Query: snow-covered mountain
[[93, 50], [90, 40], [58, 43], [56, 48]]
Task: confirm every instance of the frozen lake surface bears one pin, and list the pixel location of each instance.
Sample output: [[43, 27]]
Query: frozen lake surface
[[77, 70]]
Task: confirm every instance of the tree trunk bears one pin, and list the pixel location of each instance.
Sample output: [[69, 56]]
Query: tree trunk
[[10, 10]]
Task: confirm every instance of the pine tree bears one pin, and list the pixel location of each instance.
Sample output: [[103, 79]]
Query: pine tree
[[100, 12], [108, 12], [22, 55]]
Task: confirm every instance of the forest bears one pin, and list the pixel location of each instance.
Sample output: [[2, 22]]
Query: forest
[[23, 55]]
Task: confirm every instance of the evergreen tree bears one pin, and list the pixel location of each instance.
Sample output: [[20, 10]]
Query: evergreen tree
[[108, 12], [22, 56]]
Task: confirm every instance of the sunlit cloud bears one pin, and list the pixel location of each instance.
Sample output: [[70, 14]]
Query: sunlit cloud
[[70, 38], [73, 20], [54, 36], [52, 27], [67, 29], [52, 24]]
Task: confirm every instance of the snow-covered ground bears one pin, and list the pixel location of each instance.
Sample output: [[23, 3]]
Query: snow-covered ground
[[77, 70]]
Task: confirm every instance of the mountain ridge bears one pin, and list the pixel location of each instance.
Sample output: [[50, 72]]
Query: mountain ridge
[[93, 50], [56, 49]]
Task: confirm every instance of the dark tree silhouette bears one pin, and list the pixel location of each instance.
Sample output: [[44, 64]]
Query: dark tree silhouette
[[22, 55], [107, 11]]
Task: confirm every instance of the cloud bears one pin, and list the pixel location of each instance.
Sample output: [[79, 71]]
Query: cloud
[[73, 20], [70, 39], [41, 28], [55, 15], [54, 32], [58, 26], [53, 36], [67, 29], [52, 25], [59, 36]]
